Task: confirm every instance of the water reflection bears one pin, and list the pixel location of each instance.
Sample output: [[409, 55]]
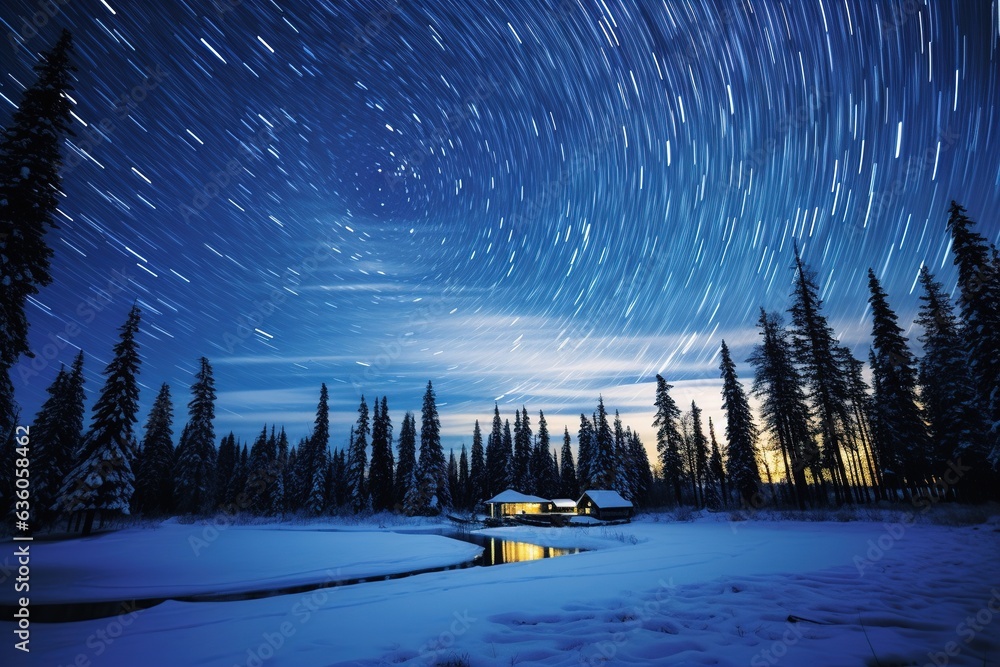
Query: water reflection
[[497, 551]]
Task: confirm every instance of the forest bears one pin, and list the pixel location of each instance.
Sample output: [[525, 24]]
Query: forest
[[897, 427]]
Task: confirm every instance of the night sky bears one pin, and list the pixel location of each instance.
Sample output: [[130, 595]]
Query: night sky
[[526, 202]]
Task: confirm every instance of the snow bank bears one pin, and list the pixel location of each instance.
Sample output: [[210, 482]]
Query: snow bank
[[683, 593], [177, 560]]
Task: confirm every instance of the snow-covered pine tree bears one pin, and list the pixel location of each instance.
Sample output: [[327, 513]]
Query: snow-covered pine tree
[[603, 467], [902, 438], [260, 485], [623, 476], [496, 463], [194, 483], [957, 427], [814, 349], [279, 497], [568, 486], [715, 467], [102, 479], [357, 459], [477, 469], [313, 461], [979, 296], [668, 437], [642, 472], [541, 461], [432, 469], [741, 453], [225, 470], [456, 495], [585, 467], [522, 454], [700, 447], [55, 437], [405, 478], [784, 409], [30, 188], [507, 455], [380, 475], [154, 478], [461, 493]]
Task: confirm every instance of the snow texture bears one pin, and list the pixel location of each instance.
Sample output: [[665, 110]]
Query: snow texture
[[694, 593]]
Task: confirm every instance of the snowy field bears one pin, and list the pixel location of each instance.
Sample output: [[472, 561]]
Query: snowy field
[[707, 592]]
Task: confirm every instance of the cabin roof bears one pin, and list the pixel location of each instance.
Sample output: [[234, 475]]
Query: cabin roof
[[512, 496], [564, 502], [605, 499]]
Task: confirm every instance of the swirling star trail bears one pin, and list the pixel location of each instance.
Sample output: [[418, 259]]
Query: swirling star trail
[[533, 203]]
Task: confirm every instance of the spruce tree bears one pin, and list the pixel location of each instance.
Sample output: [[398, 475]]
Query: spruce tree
[[357, 459], [507, 455], [902, 437], [225, 471], [699, 444], [496, 460], [314, 460], [639, 470], [979, 307], [741, 433], [668, 437], [622, 463], [154, 477], [603, 465], [585, 455], [461, 492], [103, 478], [569, 488], [195, 473], [956, 426], [380, 475], [814, 347], [784, 409], [260, 480], [456, 498], [56, 435], [477, 469], [716, 470], [406, 468], [541, 461], [30, 187]]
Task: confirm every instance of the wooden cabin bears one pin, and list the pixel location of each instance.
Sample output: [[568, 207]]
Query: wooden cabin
[[513, 503], [605, 505]]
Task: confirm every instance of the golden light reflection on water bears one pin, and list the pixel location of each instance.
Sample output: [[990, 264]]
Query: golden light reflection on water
[[499, 551]]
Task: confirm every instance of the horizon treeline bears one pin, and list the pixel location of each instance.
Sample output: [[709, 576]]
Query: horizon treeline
[[926, 429]]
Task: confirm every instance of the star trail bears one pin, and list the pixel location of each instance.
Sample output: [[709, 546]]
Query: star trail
[[529, 203]]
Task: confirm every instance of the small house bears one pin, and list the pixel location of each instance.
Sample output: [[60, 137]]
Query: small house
[[564, 505], [510, 502], [605, 505]]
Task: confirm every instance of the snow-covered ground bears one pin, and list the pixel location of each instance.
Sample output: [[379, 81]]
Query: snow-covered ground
[[653, 592]]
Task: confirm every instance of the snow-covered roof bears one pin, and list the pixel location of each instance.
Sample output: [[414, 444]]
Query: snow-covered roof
[[512, 496], [606, 499], [564, 502]]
